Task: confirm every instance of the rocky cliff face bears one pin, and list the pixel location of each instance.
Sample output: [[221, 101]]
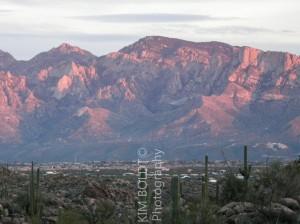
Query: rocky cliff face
[[160, 91]]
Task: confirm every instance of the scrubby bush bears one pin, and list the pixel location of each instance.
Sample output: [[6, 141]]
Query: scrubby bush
[[233, 189], [99, 212], [275, 182], [71, 217]]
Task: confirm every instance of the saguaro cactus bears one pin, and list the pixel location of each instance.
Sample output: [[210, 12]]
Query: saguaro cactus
[[5, 177], [150, 199], [34, 195], [217, 191], [175, 193], [205, 181], [245, 172], [203, 193], [204, 188]]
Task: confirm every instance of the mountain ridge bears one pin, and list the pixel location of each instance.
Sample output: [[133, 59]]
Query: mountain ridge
[[156, 91], [145, 38]]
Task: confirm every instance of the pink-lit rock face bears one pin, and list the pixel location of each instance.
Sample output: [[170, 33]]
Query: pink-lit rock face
[[66, 48], [249, 57], [63, 86], [16, 99], [13, 90], [43, 74], [157, 89]]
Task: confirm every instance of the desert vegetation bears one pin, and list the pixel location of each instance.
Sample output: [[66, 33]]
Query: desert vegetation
[[248, 194]]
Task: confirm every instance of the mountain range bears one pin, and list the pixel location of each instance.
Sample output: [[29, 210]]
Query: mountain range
[[185, 97]]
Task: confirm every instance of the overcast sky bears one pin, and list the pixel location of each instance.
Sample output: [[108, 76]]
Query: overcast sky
[[101, 26]]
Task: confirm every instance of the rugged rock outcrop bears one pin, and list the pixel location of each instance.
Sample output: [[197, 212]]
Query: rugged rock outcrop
[[246, 212]]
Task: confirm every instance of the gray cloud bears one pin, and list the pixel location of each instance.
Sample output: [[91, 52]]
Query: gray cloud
[[293, 48], [43, 2], [150, 18], [5, 10], [234, 30], [288, 31], [75, 36], [103, 37], [26, 45]]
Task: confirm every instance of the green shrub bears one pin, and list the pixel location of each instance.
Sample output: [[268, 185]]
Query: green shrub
[[71, 217], [271, 184], [233, 189]]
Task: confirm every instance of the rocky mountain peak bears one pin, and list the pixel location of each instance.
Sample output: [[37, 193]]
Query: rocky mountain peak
[[56, 57], [6, 59], [66, 48], [157, 48]]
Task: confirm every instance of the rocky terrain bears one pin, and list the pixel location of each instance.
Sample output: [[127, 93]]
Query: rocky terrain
[[249, 194], [180, 95]]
